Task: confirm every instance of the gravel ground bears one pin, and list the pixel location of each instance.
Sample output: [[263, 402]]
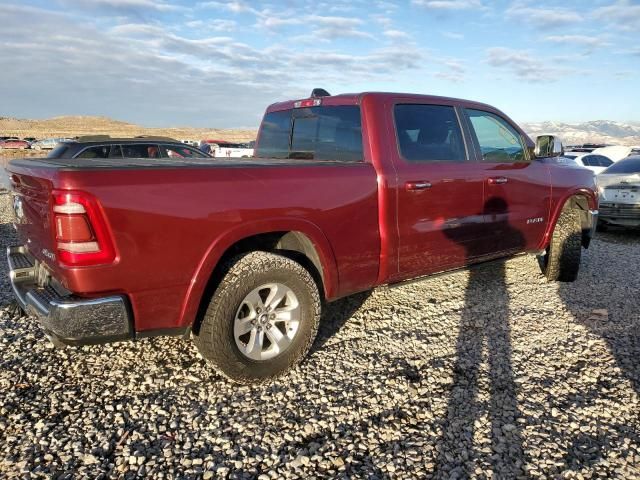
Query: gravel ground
[[492, 373]]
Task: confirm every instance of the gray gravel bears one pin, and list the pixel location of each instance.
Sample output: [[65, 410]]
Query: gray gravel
[[493, 373]]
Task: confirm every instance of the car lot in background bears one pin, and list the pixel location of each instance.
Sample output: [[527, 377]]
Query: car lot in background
[[594, 162], [619, 187], [104, 146], [13, 144], [48, 143], [223, 148]]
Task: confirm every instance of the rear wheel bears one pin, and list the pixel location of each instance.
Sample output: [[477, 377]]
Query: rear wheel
[[562, 259], [262, 319]]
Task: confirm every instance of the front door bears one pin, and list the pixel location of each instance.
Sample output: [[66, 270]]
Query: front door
[[517, 188], [439, 190]]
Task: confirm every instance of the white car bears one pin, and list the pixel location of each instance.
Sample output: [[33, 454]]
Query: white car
[[595, 162], [619, 188], [233, 150]]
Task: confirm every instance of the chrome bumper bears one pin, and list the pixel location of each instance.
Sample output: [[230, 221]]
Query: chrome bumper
[[620, 214], [66, 318]]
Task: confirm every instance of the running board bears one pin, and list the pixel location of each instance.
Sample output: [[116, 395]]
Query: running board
[[458, 269]]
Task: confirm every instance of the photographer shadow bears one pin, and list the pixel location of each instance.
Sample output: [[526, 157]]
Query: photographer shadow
[[484, 326]]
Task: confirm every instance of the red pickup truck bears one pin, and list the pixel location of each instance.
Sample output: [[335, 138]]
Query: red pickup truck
[[345, 193]]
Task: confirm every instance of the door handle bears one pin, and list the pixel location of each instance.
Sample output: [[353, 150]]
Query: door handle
[[419, 185], [498, 180]]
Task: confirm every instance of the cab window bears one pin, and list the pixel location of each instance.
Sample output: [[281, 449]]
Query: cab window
[[498, 140], [429, 133]]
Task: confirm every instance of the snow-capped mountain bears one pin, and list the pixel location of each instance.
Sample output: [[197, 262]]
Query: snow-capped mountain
[[597, 131]]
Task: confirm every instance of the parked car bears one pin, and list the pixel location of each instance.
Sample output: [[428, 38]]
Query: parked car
[[104, 146], [13, 144], [619, 187], [595, 163], [243, 253], [234, 150], [48, 143]]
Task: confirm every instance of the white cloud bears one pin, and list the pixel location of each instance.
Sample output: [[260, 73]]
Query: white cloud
[[123, 5], [622, 14], [396, 34], [151, 74], [589, 42], [524, 65], [220, 25], [543, 16], [448, 4]]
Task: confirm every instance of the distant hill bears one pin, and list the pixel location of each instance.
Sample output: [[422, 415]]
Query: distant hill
[[597, 131], [71, 126]]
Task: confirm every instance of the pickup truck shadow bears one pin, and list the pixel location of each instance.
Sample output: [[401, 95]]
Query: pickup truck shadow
[[484, 325]]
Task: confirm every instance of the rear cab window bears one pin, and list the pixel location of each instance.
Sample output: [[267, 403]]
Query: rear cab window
[[312, 133], [429, 133]]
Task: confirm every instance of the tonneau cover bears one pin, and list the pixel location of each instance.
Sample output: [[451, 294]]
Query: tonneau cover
[[154, 163]]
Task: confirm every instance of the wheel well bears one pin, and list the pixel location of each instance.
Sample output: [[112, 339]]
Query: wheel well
[[294, 245], [581, 204]]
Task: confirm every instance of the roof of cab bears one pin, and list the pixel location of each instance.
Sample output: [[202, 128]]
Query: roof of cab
[[356, 99]]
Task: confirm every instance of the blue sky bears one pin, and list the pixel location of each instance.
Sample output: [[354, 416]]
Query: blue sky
[[219, 63]]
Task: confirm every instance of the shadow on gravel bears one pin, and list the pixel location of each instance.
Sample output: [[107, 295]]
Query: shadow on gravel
[[484, 321], [611, 309], [335, 315]]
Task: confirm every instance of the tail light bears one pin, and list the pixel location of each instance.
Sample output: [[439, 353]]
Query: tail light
[[81, 233]]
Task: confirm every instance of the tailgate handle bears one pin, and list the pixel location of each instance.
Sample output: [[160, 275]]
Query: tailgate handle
[[419, 185], [498, 180]]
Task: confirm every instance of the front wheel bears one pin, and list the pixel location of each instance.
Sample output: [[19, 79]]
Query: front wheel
[[562, 259], [262, 319]]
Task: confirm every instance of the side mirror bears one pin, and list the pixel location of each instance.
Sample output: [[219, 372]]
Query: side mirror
[[548, 146]]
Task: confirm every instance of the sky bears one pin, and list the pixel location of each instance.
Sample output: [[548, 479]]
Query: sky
[[218, 64]]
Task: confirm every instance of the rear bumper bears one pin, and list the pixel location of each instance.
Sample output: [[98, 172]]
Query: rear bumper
[[66, 318], [627, 215]]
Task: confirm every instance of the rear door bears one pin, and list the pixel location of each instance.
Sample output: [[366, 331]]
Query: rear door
[[517, 187], [440, 190]]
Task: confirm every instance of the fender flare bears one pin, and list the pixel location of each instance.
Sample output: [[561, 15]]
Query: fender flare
[[220, 245], [575, 191]]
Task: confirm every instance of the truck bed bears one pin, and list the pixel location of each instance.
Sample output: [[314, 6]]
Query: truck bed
[[175, 216]]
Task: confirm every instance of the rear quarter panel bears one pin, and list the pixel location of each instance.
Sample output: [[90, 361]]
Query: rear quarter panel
[[171, 226]]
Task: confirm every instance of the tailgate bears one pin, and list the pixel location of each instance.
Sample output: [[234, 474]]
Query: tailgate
[[32, 209]]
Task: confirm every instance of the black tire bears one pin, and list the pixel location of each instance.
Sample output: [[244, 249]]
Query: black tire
[[562, 259], [215, 339]]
